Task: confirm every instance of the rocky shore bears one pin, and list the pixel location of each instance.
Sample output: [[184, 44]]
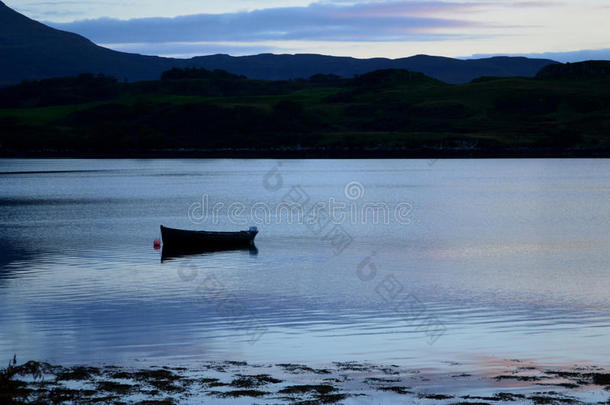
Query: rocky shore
[[346, 382]]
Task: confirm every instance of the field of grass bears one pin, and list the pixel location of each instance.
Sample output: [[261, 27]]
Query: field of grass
[[391, 110]]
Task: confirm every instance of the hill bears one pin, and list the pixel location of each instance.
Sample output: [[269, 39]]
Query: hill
[[382, 113], [593, 69], [30, 50]]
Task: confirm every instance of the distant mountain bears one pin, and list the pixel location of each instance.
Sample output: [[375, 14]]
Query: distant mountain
[[30, 50], [563, 57], [278, 67]]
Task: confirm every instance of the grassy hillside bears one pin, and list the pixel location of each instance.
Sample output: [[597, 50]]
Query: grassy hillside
[[388, 111]]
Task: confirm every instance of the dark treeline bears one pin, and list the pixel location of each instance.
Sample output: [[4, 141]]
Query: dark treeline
[[87, 88], [68, 90], [566, 108]]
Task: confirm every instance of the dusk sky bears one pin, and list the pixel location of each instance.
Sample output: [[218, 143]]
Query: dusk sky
[[360, 28]]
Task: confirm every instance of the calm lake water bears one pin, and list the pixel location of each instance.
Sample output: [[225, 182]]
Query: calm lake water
[[477, 260]]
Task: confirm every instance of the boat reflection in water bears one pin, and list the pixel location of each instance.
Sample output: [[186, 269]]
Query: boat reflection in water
[[180, 243], [170, 253]]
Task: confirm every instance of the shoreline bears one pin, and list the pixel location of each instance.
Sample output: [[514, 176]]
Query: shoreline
[[322, 153], [229, 382]]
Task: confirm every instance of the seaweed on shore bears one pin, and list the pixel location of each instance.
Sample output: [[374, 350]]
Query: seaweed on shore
[[250, 381], [469, 403], [378, 380], [321, 393], [519, 377], [79, 373], [44, 383], [500, 396], [117, 388], [242, 393], [546, 399], [435, 396], [299, 368], [396, 389], [161, 379]]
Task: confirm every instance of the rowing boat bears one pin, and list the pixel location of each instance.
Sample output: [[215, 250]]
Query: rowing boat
[[185, 240]]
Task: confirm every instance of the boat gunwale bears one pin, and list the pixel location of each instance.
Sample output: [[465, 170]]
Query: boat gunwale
[[222, 233]]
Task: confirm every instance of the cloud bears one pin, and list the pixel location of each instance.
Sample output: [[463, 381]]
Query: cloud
[[363, 28], [385, 21], [58, 10]]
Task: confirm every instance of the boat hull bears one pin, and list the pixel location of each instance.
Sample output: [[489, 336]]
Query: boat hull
[[183, 240]]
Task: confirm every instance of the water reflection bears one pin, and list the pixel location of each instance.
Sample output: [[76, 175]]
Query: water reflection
[[15, 251], [510, 255], [175, 252]]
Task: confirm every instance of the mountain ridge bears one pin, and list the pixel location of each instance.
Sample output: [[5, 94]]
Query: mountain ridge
[[286, 66], [31, 50]]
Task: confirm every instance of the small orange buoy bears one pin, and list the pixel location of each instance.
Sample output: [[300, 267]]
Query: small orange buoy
[[157, 244]]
